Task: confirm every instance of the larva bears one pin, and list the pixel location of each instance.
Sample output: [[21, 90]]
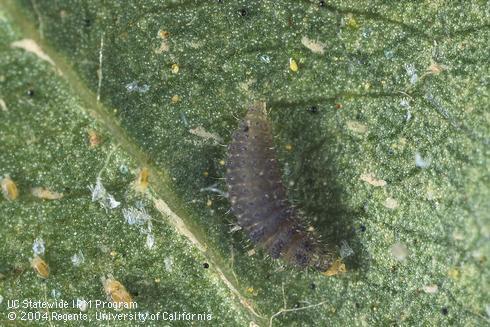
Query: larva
[[259, 199]]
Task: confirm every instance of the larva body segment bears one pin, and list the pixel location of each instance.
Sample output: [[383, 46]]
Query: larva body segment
[[259, 199]]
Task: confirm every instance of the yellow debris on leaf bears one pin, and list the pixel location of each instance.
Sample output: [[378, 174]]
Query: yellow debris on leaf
[[9, 188], [44, 193], [40, 266], [337, 268], [93, 138], [141, 182], [163, 34], [117, 293], [175, 68], [175, 99], [357, 127], [371, 179], [430, 289], [436, 68], [351, 22], [293, 65], [164, 46], [3, 105], [390, 203], [453, 273]]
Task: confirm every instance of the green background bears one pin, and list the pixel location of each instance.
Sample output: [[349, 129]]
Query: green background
[[394, 81]]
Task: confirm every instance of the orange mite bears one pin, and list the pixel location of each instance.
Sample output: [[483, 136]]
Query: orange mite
[[9, 188], [337, 268], [141, 182], [40, 266], [117, 293], [93, 138]]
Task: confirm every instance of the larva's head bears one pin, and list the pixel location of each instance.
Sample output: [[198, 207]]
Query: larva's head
[[256, 124], [309, 252]]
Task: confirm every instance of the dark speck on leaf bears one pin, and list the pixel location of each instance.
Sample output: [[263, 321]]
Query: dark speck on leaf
[[313, 109], [87, 22], [243, 12], [30, 92], [206, 265], [313, 286], [444, 311], [362, 228], [321, 3]]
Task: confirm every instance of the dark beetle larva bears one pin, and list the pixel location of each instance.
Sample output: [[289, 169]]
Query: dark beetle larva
[[259, 199]]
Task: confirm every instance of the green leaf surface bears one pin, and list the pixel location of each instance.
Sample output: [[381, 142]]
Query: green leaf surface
[[382, 134]]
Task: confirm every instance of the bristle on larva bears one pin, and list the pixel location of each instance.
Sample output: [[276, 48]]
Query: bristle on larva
[[259, 199]]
